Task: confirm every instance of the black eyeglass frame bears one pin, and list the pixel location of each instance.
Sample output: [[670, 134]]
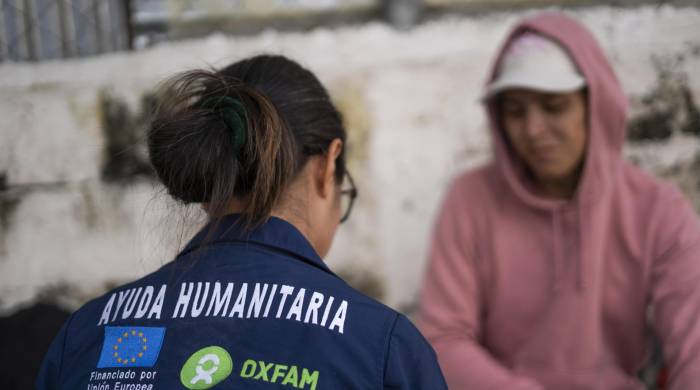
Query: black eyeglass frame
[[352, 193]]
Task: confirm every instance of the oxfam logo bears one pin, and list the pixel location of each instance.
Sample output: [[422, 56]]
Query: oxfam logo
[[206, 368]]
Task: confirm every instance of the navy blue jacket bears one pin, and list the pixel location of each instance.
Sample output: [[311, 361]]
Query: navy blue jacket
[[237, 311]]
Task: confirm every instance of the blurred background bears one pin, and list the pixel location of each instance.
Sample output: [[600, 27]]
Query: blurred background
[[81, 211]]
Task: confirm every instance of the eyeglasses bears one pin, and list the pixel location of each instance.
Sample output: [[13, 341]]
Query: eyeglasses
[[347, 197]]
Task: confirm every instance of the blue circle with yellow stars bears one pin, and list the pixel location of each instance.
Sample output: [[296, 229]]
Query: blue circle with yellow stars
[[129, 347]]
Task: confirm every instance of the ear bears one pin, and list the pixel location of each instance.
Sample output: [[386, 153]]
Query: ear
[[325, 169]]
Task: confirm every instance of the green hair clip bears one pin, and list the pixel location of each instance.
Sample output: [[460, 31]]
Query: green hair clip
[[233, 113]]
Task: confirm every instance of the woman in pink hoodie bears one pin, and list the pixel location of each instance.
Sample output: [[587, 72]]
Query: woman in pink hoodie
[[545, 262]]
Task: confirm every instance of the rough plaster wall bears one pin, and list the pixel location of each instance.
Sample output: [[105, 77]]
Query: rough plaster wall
[[409, 99]]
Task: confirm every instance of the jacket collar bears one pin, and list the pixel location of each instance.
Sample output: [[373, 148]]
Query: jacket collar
[[276, 234]]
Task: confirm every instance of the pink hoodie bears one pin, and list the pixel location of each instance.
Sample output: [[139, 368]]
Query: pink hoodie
[[524, 292]]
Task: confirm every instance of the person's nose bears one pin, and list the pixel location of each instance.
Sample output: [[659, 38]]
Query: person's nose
[[534, 123]]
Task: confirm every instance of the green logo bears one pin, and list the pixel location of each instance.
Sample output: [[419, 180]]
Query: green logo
[[206, 368]]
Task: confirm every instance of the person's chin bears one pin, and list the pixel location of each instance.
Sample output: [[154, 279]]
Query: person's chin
[[549, 174]]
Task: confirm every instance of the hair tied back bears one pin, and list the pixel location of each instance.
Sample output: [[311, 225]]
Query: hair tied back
[[233, 114]]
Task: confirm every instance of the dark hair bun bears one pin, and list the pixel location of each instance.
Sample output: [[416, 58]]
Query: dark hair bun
[[198, 155]]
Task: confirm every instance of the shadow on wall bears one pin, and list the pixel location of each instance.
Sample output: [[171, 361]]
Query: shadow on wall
[[25, 337], [668, 109], [8, 204], [125, 156], [670, 106]]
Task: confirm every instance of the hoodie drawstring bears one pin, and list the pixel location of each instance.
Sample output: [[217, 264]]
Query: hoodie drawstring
[[557, 258], [559, 255], [581, 264]]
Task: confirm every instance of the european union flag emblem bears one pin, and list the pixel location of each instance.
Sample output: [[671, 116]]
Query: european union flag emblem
[[131, 346]]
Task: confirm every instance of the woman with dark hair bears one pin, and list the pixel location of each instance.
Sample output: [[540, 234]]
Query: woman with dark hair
[[249, 302]]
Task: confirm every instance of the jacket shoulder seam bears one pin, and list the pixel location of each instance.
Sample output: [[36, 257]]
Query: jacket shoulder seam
[[387, 349]]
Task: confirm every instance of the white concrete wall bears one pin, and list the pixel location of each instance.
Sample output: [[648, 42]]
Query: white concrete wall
[[410, 101]]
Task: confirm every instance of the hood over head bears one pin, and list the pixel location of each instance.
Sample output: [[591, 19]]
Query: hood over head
[[606, 109]]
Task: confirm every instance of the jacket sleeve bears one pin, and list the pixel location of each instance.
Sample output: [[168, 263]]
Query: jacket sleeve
[[50, 371], [675, 293], [451, 305], [411, 362]]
